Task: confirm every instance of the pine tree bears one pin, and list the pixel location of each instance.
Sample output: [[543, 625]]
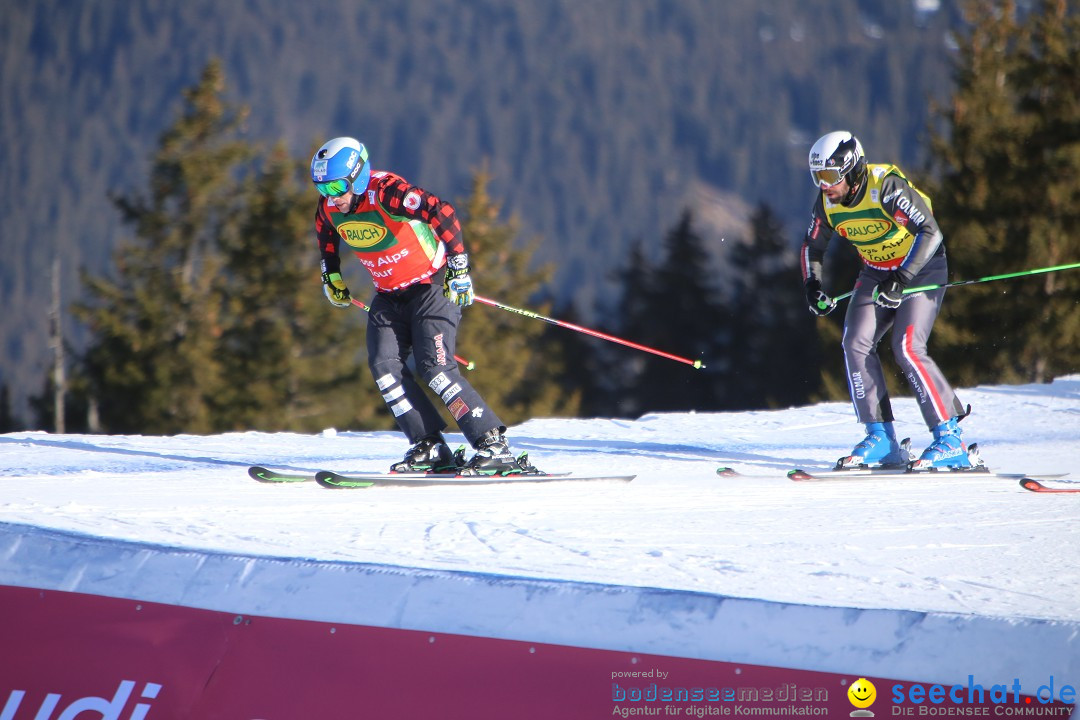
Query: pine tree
[[674, 307], [517, 371], [7, 422], [1010, 194], [152, 360], [608, 373], [290, 360], [217, 320], [777, 347]]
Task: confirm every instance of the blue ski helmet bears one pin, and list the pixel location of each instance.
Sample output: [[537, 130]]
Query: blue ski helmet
[[340, 165]]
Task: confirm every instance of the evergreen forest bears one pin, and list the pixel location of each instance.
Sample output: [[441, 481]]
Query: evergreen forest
[[641, 173]]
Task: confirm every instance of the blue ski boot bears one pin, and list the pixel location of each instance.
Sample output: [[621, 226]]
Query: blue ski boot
[[879, 447], [947, 450]]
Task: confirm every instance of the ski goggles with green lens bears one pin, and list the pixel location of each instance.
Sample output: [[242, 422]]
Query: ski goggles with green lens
[[827, 177], [333, 188]]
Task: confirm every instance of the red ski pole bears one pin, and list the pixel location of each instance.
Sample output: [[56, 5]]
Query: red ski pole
[[697, 364]]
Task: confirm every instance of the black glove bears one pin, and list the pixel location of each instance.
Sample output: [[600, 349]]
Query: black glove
[[336, 291], [457, 286], [890, 292], [820, 303]]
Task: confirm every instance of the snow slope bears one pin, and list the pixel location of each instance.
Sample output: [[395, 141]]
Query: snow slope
[[930, 578]]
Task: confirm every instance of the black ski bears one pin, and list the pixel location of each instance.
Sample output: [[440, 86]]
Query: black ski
[[362, 480], [844, 471], [826, 474], [266, 475], [338, 481]]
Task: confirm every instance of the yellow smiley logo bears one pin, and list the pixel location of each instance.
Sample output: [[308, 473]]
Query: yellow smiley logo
[[862, 693]]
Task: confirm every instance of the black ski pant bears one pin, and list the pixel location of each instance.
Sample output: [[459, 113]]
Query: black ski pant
[[420, 321]]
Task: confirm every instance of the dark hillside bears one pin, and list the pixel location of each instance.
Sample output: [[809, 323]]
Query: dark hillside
[[599, 121]]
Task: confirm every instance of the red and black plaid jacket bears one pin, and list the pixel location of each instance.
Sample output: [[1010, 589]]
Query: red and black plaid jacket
[[398, 198]]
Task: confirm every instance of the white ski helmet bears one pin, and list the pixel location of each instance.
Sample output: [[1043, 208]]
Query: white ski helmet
[[838, 156], [340, 165]]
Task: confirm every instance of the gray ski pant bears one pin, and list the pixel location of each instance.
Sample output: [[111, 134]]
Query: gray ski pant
[[865, 324]]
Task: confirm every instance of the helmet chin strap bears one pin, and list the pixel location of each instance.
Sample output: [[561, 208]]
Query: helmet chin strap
[[852, 193], [356, 198]]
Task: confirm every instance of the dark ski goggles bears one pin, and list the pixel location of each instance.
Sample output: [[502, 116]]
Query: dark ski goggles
[[333, 188]]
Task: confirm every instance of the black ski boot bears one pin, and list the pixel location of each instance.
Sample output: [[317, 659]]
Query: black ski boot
[[430, 454], [493, 457]]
